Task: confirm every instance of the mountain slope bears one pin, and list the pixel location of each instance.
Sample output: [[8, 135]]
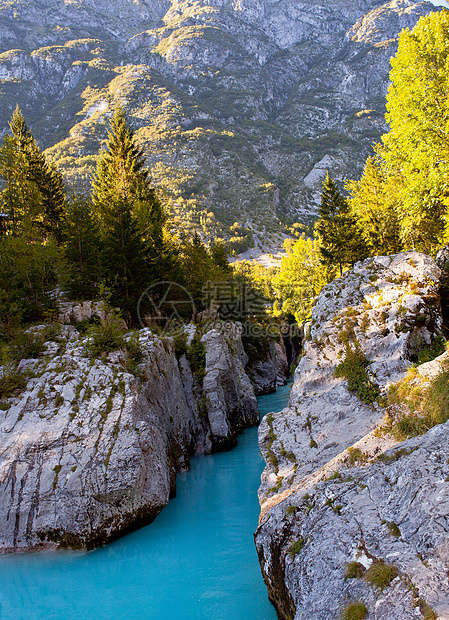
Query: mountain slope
[[241, 105]]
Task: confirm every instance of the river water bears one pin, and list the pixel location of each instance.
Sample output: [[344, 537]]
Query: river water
[[196, 561]]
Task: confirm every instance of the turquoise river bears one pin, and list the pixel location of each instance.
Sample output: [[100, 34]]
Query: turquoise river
[[196, 561]]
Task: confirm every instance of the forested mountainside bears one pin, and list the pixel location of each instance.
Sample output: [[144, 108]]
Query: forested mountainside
[[241, 106]]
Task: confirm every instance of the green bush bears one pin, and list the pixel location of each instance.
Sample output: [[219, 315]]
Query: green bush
[[180, 342], [12, 380], [26, 345], [354, 369], [134, 353], [106, 337], [29, 277], [197, 358]]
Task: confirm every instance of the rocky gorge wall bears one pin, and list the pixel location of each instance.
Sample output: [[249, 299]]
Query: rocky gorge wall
[[336, 490], [90, 450]]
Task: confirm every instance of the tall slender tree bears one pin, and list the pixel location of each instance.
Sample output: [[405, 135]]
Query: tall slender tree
[[340, 239], [130, 216], [34, 194], [373, 201], [122, 175]]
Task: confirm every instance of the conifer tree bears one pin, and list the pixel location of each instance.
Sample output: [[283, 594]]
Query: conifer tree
[[340, 241], [34, 194], [130, 216], [125, 259], [50, 185], [121, 175], [82, 250]]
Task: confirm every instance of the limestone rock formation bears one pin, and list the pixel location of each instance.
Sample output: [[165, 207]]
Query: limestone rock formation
[[335, 491], [267, 366], [90, 450]]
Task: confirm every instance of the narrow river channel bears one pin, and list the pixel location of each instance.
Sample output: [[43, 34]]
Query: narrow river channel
[[196, 561]]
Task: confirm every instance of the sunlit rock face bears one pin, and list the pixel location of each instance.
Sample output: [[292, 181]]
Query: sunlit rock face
[[90, 450], [335, 490], [236, 103]]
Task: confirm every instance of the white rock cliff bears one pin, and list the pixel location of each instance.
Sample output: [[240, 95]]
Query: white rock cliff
[[334, 490], [90, 451]]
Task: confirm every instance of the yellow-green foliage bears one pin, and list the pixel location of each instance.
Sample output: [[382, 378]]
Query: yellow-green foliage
[[300, 278], [424, 404], [403, 192]]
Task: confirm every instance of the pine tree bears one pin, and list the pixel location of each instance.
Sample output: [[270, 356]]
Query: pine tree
[[82, 250], [124, 259], [34, 195], [121, 175], [50, 185], [340, 240], [130, 216]]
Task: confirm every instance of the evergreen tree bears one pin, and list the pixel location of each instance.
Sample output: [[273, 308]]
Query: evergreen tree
[[82, 250], [121, 175], [131, 219], [340, 240], [34, 194], [50, 185], [124, 259]]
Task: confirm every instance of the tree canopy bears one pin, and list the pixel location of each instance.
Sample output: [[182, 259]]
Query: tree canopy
[[340, 241], [410, 174], [34, 193]]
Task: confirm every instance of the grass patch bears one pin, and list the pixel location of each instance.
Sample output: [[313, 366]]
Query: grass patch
[[380, 574], [295, 547], [422, 405], [354, 570], [429, 352], [355, 455], [354, 611], [393, 529]]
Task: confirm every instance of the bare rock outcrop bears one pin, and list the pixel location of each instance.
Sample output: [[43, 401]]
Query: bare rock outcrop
[[90, 450], [335, 490], [267, 365]]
